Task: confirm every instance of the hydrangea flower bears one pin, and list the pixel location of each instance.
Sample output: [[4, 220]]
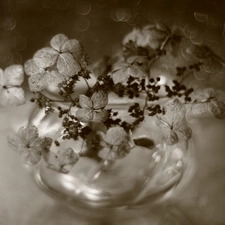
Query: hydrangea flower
[[11, 94], [135, 66], [28, 143], [115, 143], [211, 62], [62, 161], [154, 36], [209, 100], [55, 63], [172, 122], [92, 109]]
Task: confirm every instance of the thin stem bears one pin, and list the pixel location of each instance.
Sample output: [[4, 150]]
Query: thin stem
[[86, 83], [164, 43]]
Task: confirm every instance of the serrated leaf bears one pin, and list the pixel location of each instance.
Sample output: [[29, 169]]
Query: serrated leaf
[[45, 57], [13, 75], [62, 161], [58, 41], [116, 136], [67, 65], [31, 68], [217, 109], [74, 47], [99, 99], [13, 96]]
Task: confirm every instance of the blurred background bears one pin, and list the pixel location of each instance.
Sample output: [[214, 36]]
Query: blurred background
[[28, 25]]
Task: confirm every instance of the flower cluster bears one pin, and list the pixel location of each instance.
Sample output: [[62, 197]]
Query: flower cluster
[[134, 73]]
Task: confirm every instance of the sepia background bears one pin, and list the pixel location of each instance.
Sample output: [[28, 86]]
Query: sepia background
[[28, 25]]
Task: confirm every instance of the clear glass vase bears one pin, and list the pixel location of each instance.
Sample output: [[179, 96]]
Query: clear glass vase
[[126, 187]]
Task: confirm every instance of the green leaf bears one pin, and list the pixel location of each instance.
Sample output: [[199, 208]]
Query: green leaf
[[74, 47], [67, 65], [58, 41], [62, 161], [45, 57]]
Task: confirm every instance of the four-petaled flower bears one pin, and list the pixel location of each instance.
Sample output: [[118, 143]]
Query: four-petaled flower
[[209, 100], [62, 161], [135, 66], [11, 94], [28, 143], [172, 122], [92, 109], [52, 65], [155, 36], [115, 143], [211, 62]]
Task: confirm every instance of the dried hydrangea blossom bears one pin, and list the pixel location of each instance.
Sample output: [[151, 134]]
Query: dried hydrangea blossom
[[92, 109], [11, 94], [62, 161], [28, 143]]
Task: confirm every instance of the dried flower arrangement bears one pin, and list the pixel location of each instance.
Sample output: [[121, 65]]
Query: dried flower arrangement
[[152, 72]]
